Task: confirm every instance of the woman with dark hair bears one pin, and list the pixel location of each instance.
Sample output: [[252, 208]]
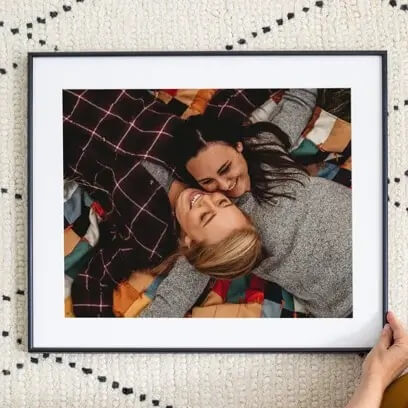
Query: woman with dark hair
[[304, 222], [223, 155], [217, 155]]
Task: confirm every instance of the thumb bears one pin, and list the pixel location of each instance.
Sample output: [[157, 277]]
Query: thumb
[[396, 325], [385, 339]]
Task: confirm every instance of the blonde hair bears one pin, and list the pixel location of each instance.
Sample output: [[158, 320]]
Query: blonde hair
[[230, 258]]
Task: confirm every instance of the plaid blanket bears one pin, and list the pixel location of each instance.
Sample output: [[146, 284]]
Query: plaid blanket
[[106, 135]]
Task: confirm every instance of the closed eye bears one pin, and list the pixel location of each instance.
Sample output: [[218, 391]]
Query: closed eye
[[224, 169], [208, 218], [205, 181], [224, 202], [204, 216]]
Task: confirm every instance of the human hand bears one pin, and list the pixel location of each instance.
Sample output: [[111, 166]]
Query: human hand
[[389, 358]]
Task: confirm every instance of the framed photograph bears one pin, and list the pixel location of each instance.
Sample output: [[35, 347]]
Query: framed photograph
[[207, 201]]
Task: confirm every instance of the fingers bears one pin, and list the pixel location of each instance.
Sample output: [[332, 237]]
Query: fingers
[[385, 339], [396, 325]]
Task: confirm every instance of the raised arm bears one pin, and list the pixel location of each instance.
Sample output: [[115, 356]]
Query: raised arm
[[178, 292], [291, 114]]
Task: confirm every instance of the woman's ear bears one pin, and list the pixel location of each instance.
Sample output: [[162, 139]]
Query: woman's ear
[[239, 147], [186, 242]]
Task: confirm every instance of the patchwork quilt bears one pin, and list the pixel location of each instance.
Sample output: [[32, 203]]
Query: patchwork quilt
[[82, 216], [247, 296], [325, 144], [324, 148]]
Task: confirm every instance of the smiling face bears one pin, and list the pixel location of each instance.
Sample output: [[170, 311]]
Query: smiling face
[[207, 217], [221, 167]]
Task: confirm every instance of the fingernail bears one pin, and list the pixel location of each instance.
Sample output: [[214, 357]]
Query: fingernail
[[386, 327]]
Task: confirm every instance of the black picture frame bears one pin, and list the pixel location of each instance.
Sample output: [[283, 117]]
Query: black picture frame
[[32, 55]]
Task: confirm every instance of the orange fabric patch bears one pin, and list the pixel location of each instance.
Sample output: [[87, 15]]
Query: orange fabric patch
[[124, 296], [69, 311], [186, 96], [212, 299], [71, 240], [189, 112], [339, 137], [196, 100], [137, 306], [201, 100], [129, 298]]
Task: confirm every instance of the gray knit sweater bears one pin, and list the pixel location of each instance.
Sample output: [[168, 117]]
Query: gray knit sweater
[[308, 240]]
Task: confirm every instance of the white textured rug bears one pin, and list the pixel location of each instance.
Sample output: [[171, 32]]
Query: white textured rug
[[191, 380]]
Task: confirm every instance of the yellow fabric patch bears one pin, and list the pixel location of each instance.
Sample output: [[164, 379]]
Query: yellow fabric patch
[[339, 137], [137, 306], [69, 312], [71, 239], [212, 299], [186, 96], [123, 297]]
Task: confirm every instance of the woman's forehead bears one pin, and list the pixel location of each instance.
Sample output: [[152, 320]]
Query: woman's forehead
[[216, 150], [227, 220], [210, 158]]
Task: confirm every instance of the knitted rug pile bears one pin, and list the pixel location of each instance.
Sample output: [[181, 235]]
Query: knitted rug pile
[[183, 380]]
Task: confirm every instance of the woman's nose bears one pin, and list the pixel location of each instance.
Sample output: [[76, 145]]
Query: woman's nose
[[208, 201], [223, 184]]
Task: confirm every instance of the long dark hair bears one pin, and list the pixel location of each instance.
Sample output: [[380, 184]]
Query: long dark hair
[[269, 165]]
